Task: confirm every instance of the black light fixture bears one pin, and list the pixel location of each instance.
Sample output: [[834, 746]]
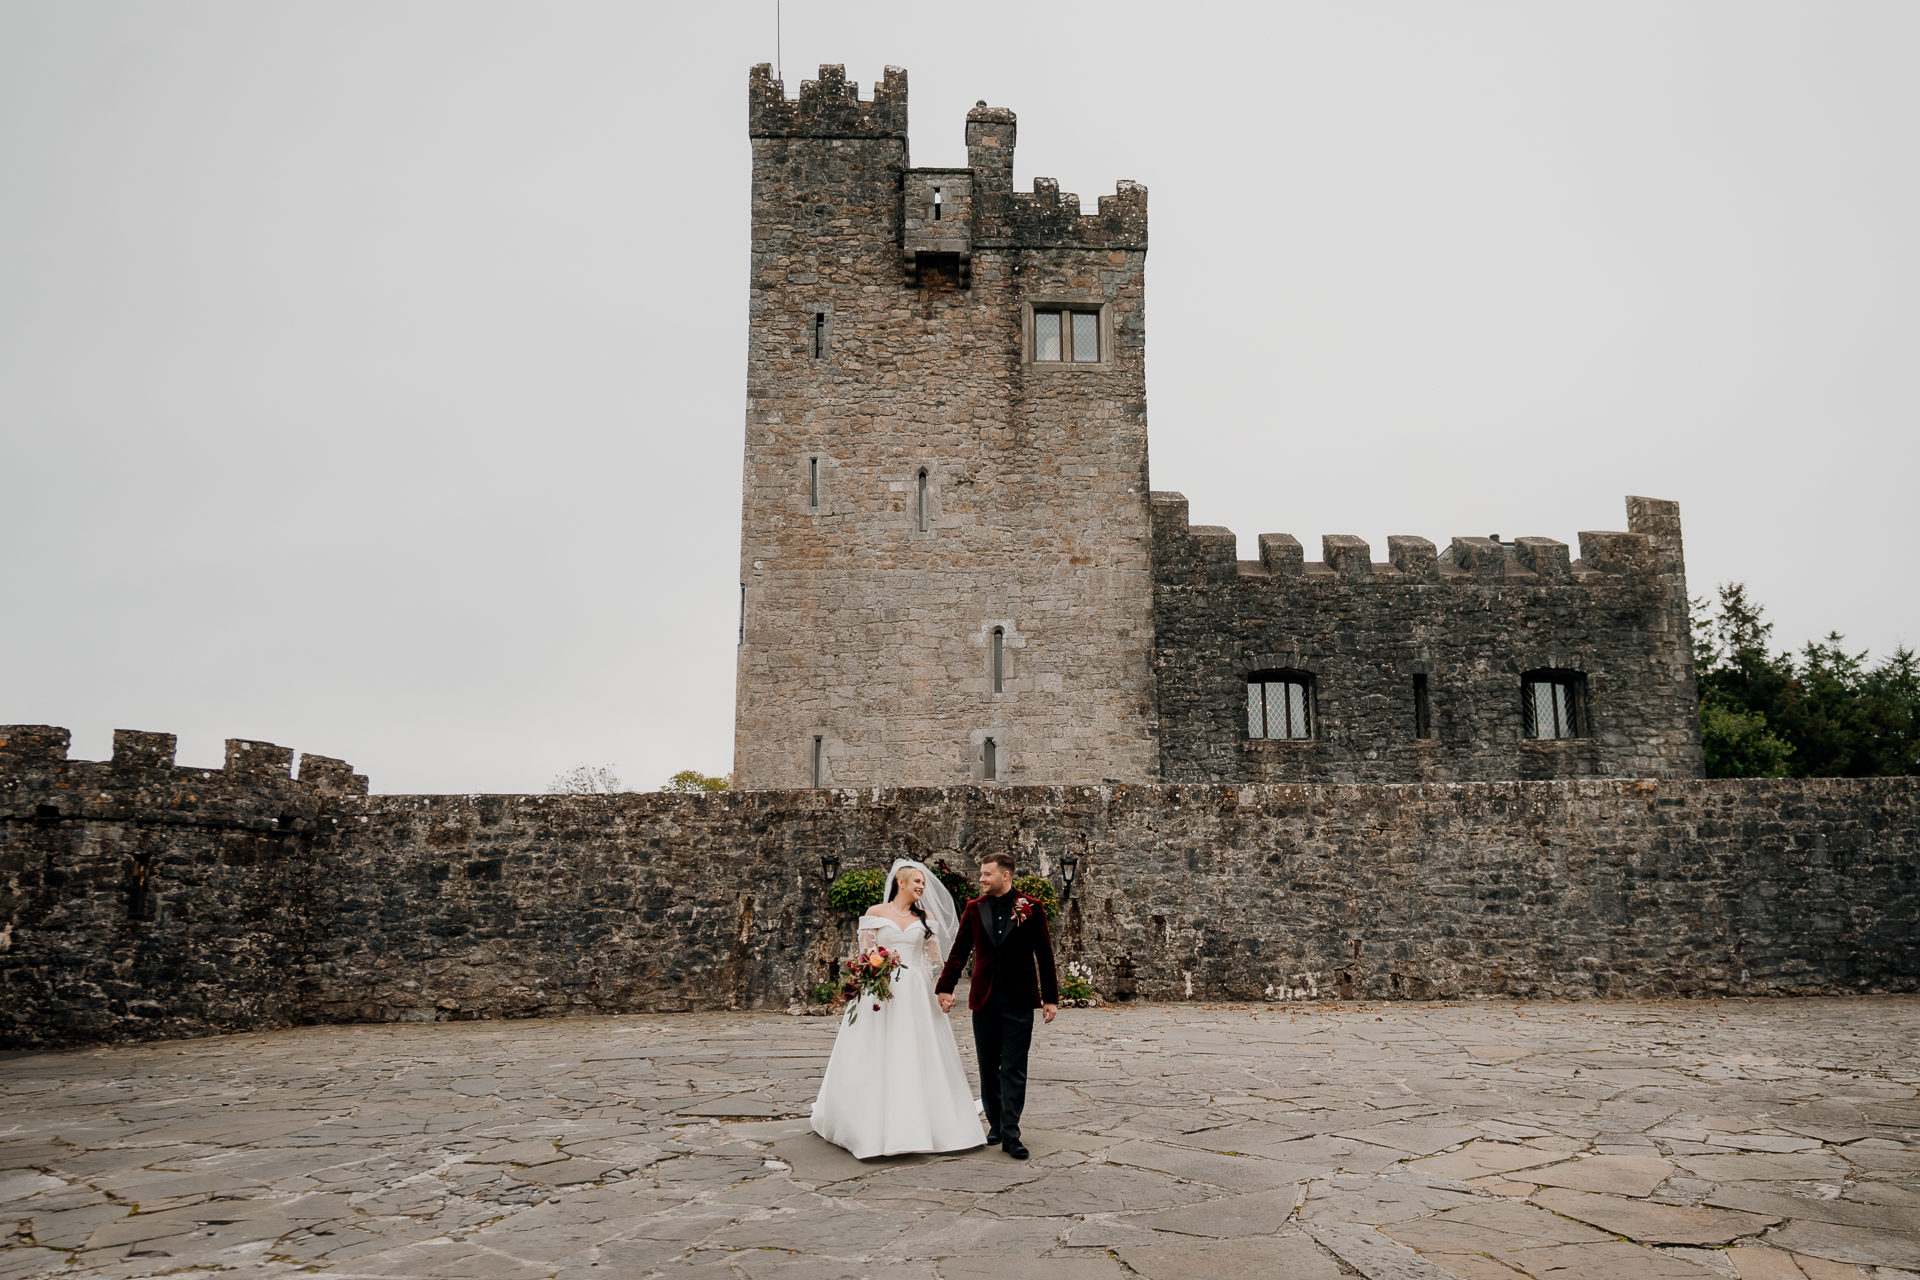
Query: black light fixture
[[1069, 863], [829, 867]]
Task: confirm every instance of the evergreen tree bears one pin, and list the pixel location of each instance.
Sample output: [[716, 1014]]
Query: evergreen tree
[[1826, 714]]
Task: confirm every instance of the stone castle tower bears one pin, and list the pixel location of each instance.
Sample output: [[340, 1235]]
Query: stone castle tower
[[944, 556], [952, 569]]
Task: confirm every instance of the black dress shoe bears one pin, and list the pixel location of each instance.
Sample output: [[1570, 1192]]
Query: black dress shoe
[[1015, 1150], [993, 1137]]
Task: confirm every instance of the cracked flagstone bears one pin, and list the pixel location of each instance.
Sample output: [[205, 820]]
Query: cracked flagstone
[[1485, 1140]]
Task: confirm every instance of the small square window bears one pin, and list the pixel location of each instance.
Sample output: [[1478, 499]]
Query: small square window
[[1553, 704], [1279, 705], [1070, 337]]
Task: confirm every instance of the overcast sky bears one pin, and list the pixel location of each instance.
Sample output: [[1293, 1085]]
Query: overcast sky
[[371, 374]]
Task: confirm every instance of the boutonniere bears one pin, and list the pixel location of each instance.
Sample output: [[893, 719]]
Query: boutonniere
[[1022, 908]]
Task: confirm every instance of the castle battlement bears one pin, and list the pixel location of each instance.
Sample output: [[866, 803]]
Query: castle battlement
[[255, 789], [830, 107], [1430, 664], [1049, 218], [1186, 552]]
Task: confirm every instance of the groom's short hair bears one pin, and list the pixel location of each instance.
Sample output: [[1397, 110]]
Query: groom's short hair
[[1000, 856]]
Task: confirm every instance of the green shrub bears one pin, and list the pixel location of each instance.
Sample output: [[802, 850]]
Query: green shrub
[[1738, 744], [958, 885], [825, 993], [1035, 887], [855, 891], [694, 780], [1076, 987]]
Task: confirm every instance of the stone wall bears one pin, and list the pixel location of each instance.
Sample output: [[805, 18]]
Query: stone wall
[[884, 342], [260, 899], [1466, 623], [140, 899]]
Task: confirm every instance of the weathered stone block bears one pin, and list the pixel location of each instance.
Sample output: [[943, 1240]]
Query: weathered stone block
[[1414, 557], [1544, 558], [1616, 553], [1281, 553], [133, 749], [1348, 556], [1483, 558]]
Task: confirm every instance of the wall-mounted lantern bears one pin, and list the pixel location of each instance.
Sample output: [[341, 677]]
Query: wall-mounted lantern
[[1069, 864], [829, 867]]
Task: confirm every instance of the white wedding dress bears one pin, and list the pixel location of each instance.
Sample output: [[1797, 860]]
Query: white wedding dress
[[895, 1083]]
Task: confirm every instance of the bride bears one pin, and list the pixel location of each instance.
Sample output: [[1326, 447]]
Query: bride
[[895, 1083]]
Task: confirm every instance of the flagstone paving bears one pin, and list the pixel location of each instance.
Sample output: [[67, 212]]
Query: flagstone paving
[[1758, 1140]]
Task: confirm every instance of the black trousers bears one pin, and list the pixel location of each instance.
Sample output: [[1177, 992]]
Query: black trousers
[[1002, 1035]]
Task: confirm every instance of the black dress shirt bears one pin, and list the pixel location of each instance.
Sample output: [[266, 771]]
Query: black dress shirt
[[1000, 916]]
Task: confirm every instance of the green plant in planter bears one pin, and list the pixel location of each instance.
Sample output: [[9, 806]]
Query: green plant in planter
[[855, 891], [1075, 987], [1041, 889]]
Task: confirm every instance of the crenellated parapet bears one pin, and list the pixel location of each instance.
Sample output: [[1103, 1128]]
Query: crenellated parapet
[[1185, 552], [1050, 219], [140, 899], [255, 789], [1043, 218], [829, 107], [1427, 664]]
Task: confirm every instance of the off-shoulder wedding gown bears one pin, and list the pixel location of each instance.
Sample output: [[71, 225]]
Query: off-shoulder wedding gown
[[895, 1083]]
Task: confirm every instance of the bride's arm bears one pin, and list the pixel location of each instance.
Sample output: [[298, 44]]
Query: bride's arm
[[865, 940], [933, 950]]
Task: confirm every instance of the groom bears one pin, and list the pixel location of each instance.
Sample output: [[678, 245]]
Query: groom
[[1009, 931]]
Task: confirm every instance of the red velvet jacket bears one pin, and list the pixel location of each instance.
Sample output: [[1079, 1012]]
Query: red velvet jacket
[[1011, 965]]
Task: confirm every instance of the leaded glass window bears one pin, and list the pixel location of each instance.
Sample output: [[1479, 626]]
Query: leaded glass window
[[1072, 337], [1279, 705], [1086, 337], [1552, 704], [1046, 335]]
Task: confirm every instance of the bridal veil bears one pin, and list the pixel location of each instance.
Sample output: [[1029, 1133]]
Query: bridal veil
[[942, 916]]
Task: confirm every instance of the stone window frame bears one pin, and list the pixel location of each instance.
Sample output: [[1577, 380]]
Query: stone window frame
[[815, 482], [825, 332], [1417, 678], [818, 747], [1011, 667], [1069, 301], [907, 485], [1290, 674], [1004, 756], [807, 462], [1578, 704]]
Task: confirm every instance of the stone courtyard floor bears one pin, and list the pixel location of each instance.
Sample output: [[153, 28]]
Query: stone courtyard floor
[[1767, 1140]]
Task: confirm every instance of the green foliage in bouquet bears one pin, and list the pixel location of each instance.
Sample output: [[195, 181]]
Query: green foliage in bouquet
[[855, 891], [1040, 890]]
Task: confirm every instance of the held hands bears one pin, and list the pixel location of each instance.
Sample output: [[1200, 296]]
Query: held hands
[[946, 1006]]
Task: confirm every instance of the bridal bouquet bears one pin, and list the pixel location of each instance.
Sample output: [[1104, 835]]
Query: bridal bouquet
[[870, 975]]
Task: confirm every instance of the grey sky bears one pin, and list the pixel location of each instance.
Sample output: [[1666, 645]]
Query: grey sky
[[371, 374]]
